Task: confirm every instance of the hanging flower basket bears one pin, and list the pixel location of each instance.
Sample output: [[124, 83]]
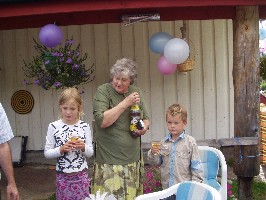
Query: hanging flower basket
[[189, 64], [58, 68]]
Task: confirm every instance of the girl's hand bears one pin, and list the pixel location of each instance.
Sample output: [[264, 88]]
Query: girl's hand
[[67, 147], [79, 144]]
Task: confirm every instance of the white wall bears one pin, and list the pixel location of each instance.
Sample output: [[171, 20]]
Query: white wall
[[206, 92]]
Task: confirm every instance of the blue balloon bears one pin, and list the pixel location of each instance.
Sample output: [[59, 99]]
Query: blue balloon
[[50, 35], [158, 41], [262, 33]]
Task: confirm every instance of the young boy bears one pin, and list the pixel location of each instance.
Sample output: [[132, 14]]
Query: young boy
[[178, 154]]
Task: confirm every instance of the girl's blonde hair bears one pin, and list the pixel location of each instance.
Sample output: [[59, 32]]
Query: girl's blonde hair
[[177, 109], [71, 94]]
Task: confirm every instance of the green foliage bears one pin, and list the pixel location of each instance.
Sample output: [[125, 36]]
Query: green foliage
[[258, 189], [58, 68], [230, 162], [263, 72], [263, 67], [53, 197]]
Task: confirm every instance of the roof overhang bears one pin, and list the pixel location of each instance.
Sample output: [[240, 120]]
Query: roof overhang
[[30, 14]]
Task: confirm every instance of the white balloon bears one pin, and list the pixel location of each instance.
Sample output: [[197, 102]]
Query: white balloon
[[176, 51]]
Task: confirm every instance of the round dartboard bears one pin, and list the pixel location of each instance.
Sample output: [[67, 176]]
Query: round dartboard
[[22, 102]]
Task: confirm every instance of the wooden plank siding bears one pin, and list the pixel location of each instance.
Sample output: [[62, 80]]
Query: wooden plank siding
[[206, 91]]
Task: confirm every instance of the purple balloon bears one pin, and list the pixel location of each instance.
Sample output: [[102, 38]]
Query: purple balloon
[[166, 67], [50, 35]]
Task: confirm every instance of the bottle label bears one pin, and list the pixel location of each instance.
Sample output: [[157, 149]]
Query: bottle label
[[135, 116]]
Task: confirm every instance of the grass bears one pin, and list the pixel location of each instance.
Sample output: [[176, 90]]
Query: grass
[[53, 197], [258, 188]]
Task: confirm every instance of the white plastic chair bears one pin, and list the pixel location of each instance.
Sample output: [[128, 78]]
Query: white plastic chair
[[188, 190], [212, 160], [160, 194], [192, 190]]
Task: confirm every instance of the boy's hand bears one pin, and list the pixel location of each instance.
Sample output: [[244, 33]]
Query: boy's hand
[[155, 151], [155, 147]]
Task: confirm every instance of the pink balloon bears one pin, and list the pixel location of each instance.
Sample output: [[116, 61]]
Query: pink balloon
[[262, 45], [166, 67]]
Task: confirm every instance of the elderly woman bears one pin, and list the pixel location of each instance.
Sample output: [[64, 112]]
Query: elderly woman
[[118, 163]]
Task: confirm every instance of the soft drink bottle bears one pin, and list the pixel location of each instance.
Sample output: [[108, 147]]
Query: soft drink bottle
[[135, 120]]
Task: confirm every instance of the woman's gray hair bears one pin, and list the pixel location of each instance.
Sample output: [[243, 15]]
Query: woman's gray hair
[[126, 66]]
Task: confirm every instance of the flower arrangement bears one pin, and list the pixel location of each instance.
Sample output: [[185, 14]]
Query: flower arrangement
[[152, 181], [58, 68]]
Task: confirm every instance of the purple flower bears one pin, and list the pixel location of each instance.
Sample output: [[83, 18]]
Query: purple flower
[[67, 70], [37, 82], [148, 190], [56, 54], [75, 66], [158, 183], [70, 42], [69, 60], [149, 174], [57, 84]]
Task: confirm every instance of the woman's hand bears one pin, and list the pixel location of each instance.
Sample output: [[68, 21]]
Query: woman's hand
[[132, 99], [145, 128]]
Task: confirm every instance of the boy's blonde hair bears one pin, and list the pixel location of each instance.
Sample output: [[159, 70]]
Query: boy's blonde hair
[[72, 94], [177, 109]]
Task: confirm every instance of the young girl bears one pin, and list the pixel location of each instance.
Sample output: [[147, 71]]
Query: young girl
[[69, 140]]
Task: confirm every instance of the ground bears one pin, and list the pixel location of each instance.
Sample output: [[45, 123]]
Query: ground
[[37, 181], [34, 182], [36, 178]]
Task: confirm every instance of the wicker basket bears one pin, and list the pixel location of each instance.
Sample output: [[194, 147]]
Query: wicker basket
[[189, 64]]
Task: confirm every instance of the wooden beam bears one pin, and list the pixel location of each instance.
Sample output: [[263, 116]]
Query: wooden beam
[[246, 59], [78, 12], [223, 142], [114, 16], [70, 6]]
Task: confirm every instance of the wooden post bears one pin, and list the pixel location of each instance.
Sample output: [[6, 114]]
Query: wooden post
[[246, 95]]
